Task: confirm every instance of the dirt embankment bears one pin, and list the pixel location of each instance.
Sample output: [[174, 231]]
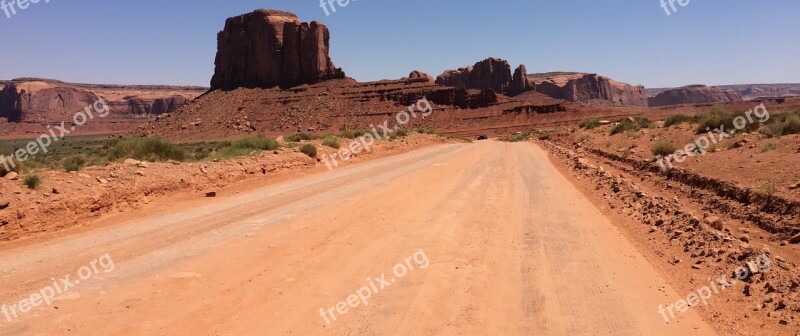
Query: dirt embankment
[[699, 230], [67, 200]]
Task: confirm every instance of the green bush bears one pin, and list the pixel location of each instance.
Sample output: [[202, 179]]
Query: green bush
[[589, 123], [298, 137], [309, 149], [663, 147], [677, 119], [74, 163], [401, 133], [33, 181], [331, 142], [146, 149]]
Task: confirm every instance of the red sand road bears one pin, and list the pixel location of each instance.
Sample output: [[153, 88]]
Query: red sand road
[[514, 249]]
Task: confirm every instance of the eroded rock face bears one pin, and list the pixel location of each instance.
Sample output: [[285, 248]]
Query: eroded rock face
[[45, 100], [419, 77], [695, 94], [491, 73], [519, 82], [268, 48], [588, 88]]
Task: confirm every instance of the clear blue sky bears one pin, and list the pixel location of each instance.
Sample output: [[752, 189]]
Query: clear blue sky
[[174, 41]]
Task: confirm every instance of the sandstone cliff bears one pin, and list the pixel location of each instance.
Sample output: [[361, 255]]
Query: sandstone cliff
[[268, 48], [43, 100], [491, 73], [695, 94], [589, 88]]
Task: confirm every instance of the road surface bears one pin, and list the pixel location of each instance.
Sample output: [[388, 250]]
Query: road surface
[[491, 240]]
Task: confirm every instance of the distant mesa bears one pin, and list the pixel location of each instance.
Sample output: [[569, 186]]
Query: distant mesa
[[695, 94], [47, 100], [495, 74], [270, 48]]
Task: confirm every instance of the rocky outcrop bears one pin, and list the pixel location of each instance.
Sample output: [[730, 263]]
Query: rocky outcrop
[[491, 73], [519, 82], [695, 94], [45, 100], [269, 48], [591, 88], [419, 77]]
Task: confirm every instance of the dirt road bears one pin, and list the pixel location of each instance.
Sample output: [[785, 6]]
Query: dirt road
[[492, 238]]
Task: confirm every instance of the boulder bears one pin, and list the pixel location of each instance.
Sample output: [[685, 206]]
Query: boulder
[[12, 176], [269, 48]]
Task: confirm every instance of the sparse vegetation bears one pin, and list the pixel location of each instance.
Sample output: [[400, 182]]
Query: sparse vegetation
[[33, 181], [331, 141], [256, 143], [298, 137], [74, 163], [352, 134], [309, 149], [146, 149], [589, 123], [663, 147], [631, 124], [677, 119], [768, 147], [718, 117], [518, 137], [782, 124], [767, 188]]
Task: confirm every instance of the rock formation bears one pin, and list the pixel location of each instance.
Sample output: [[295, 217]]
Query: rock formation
[[589, 88], [45, 100], [269, 48], [419, 77], [695, 94], [520, 83], [491, 73]]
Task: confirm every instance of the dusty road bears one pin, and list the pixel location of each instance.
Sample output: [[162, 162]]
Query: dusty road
[[492, 238]]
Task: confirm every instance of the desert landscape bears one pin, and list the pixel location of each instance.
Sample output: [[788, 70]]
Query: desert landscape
[[287, 197]]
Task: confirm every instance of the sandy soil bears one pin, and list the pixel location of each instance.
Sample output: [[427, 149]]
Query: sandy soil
[[512, 248]]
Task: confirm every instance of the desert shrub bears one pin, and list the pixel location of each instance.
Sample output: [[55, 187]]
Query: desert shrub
[[543, 135], [589, 123], [401, 133], [298, 137], [309, 149], [783, 124], [624, 125], [518, 137], [146, 149], [33, 181], [768, 147], [767, 188], [643, 122], [74, 163], [347, 134], [256, 143], [718, 117], [677, 119], [331, 142], [663, 147]]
